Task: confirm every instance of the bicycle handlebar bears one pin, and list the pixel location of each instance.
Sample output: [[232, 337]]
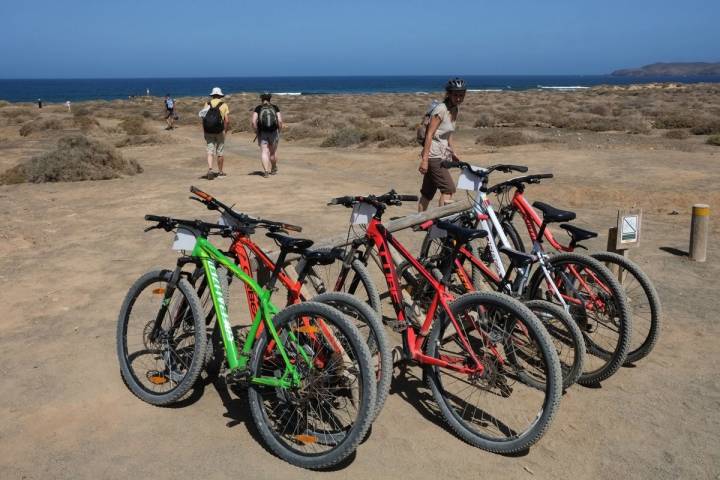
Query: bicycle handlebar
[[518, 181], [389, 198], [502, 167], [213, 203], [168, 223]]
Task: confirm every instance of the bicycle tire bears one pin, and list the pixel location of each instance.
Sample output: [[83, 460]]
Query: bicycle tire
[[261, 363], [181, 366], [601, 361], [322, 280], [375, 338], [507, 440], [566, 337], [645, 319]]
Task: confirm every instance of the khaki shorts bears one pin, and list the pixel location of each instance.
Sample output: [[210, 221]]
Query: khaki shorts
[[215, 143], [436, 178]]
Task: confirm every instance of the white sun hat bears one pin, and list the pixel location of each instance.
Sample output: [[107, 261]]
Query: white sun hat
[[217, 91]]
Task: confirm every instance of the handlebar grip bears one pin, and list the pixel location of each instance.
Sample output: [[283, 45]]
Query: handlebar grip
[[200, 193], [408, 198], [155, 218], [544, 175], [517, 168], [292, 228], [341, 200]]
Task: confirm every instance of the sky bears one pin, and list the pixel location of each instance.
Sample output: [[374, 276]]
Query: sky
[[157, 38]]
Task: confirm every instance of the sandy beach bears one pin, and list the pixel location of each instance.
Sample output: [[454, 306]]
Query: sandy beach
[[71, 250]]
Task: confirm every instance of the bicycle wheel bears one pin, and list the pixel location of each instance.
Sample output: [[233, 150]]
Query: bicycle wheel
[[214, 350], [499, 409], [566, 337], [320, 422], [161, 370], [372, 331], [643, 302], [597, 304], [324, 278]]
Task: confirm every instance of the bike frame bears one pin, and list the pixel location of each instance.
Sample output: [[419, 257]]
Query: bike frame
[[209, 255]]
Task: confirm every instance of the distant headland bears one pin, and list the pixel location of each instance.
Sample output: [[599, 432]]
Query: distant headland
[[670, 69]]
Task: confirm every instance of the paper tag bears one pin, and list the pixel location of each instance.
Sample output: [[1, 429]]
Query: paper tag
[[469, 181], [361, 214], [436, 232], [184, 239]]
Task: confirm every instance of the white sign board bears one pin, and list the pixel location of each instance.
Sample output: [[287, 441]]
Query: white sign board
[[361, 214], [469, 181], [628, 228]]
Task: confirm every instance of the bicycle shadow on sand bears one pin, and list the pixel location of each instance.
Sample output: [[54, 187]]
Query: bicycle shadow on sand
[[413, 389]]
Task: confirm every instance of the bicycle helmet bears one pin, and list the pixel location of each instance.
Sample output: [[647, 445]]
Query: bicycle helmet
[[266, 96], [456, 84]]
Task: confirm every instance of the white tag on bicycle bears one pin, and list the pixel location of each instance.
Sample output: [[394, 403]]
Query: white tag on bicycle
[[184, 239], [436, 232], [361, 214], [226, 219], [469, 181]]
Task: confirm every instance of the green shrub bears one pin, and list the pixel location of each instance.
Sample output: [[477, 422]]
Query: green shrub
[[714, 140], [75, 159]]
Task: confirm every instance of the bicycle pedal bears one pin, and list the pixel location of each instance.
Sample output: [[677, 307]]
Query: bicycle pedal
[[237, 376]]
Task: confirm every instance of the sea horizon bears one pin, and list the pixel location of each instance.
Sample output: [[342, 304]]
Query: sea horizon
[[85, 89]]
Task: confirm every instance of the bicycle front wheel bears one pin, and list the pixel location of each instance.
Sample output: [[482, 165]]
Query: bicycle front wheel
[[320, 421], [160, 338], [597, 304], [643, 302], [508, 403]]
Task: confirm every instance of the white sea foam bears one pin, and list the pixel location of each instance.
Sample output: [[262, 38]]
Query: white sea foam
[[287, 93], [573, 87], [485, 90]]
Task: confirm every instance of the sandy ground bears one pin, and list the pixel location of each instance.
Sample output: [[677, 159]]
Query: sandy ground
[[70, 251]]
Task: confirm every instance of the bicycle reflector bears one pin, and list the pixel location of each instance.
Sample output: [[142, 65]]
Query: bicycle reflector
[[156, 377], [306, 439], [158, 291]]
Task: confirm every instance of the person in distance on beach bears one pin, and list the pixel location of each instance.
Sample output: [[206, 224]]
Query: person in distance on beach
[[267, 123], [39, 103], [438, 146], [216, 122], [169, 111]]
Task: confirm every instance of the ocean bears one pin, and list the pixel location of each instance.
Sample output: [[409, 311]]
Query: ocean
[[109, 89]]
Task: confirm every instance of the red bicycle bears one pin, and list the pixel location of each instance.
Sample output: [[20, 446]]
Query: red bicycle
[[488, 361], [642, 297]]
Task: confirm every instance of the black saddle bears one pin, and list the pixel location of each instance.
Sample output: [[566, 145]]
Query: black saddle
[[552, 214], [460, 234], [518, 258], [290, 244], [322, 257], [576, 233]]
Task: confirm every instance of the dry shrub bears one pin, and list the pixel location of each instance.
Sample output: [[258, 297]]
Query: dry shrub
[[600, 109], [486, 120], [714, 140], [678, 134], [41, 126], [133, 140], [505, 138], [85, 122], [675, 119], [300, 131], [17, 116], [377, 111], [394, 139], [75, 159], [134, 126], [345, 137], [706, 127]]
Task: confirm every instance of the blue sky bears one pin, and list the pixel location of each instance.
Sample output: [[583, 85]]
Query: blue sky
[[95, 39]]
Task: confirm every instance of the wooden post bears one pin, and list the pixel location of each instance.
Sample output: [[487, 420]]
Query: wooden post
[[699, 232], [612, 247]]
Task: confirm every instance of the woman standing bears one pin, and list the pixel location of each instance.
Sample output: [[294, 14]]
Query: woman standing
[[439, 146]]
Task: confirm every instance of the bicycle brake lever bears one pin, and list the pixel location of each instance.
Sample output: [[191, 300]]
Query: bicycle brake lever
[[151, 228]]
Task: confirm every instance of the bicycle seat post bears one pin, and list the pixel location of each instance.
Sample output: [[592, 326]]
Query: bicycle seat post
[[278, 267]]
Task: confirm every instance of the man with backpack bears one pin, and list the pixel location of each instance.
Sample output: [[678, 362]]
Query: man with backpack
[[169, 111], [267, 123], [216, 122]]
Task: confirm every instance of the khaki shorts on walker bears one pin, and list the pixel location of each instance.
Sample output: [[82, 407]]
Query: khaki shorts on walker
[[436, 178], [271, 138], [215, 143]]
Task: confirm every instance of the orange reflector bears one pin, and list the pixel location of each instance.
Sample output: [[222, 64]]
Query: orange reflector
[[158, 291], [157, 379], [306, 439], [307, 329]]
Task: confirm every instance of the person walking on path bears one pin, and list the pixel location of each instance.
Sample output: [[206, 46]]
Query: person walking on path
[[39, 103], [67, 104], [216, 122], [267, 123], [439, 146], [169, 111]]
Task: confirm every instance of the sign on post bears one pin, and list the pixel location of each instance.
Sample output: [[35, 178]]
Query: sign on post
[[628, 228]]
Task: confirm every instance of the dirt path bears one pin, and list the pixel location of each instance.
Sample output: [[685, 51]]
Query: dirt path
[[71, 251]]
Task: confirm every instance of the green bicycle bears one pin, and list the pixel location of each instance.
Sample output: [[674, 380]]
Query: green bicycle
[[310, 385]]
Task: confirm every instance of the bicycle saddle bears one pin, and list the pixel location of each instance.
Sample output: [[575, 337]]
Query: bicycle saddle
[[552, 214], [576, 233], [295, 245], [322, 257], [518, 258], [460, 234]]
